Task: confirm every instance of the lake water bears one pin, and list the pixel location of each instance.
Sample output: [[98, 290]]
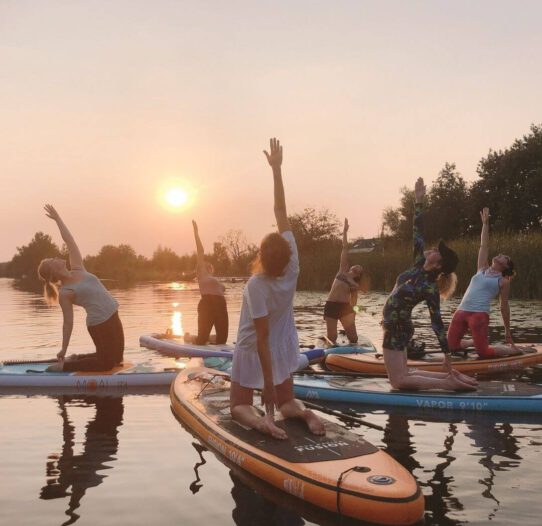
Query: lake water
[[126, 460]]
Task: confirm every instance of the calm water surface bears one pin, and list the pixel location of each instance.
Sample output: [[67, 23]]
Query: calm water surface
[[126, 460]]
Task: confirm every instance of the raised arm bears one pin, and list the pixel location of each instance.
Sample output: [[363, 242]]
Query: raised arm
[[343, 267], [419, 245], [274, 157], [76, 260], [483, 253], [199, 250], [66, 303]]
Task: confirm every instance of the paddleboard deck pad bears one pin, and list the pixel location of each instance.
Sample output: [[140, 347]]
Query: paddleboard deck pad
[[373, 364], [340, 472], [120, 378], [493, 395]]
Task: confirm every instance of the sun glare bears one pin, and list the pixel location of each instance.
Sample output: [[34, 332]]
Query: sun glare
[[177, 197]]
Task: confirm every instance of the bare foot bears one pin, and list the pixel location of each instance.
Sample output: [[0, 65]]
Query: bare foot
[[314, 423], [267, 425], [55, 368], [464, 378], [455, 384], [189, 338]]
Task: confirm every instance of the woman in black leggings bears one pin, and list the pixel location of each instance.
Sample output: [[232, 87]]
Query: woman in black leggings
[[212, 309], [76, 286]]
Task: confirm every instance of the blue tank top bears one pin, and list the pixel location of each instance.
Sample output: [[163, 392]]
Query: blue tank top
[[483, 287]]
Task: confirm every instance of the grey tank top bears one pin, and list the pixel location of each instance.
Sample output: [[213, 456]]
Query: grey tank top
[[94, 298]]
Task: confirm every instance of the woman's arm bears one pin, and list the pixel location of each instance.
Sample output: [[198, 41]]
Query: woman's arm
[[202, 269], [76, 260], [353, 297], [274, 158], [262, 341], [433, 303], [66, 303], [343, 265], [419, 245], [505, 310], [484, 240]]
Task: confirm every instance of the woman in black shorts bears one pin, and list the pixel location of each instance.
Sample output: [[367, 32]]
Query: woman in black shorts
[[343, 296]]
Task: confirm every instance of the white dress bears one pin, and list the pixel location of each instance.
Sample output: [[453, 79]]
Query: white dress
[[273, 297]]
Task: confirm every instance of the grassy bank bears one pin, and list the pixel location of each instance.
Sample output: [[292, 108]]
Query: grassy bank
[[383, 266]]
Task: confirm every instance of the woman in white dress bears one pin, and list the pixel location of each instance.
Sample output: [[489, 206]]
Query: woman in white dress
[[267, 347]]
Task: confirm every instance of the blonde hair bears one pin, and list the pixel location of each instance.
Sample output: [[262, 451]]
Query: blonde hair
[[50, 286], [446, 284]]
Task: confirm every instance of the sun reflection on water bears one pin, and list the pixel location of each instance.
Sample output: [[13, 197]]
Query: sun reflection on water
[[177, 323]]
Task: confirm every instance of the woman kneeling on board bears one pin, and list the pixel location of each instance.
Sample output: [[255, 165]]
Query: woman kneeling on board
[[78, 287], [431, 276], [343, 296], [267, 348], [473, 311], [212, 309]]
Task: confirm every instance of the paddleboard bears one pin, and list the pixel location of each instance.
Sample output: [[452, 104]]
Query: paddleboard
[[121, 378], [175, 346], [492, 395], [373, 364], [340, 472]]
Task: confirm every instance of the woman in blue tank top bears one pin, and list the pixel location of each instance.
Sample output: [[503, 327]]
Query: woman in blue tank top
[[76, 286], [489, 282]]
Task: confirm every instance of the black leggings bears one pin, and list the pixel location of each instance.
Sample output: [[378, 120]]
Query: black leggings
[[108, 337], [212, 310]]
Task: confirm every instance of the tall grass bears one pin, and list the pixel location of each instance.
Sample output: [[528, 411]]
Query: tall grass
[[383, 265]]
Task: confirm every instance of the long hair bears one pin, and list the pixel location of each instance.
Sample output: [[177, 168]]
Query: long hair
[[273, 256], [446, 284], [50, 286]]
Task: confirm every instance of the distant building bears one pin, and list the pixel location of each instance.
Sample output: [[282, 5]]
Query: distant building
[[364, 246]]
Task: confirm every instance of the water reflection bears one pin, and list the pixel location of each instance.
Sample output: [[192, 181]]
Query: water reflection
[[70, 475], [493, 441]]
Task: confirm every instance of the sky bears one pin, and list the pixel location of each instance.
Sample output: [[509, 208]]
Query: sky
[[103, 102]]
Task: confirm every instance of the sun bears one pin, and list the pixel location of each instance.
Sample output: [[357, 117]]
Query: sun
[[176, 197]]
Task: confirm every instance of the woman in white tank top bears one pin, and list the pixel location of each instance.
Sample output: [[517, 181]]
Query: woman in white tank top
[[473, 312], [76, 286]]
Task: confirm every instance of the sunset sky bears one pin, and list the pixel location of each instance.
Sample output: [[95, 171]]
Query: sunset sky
[[104, 102]]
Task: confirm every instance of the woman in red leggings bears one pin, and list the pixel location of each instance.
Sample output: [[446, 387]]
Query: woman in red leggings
[[473, 311]]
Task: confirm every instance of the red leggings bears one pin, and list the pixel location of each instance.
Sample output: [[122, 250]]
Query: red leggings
[[478, 323]]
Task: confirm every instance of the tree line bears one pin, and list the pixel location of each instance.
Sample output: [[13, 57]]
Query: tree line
[[510, 183]]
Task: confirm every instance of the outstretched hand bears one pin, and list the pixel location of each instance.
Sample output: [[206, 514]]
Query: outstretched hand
[[484, 215], [419, 190], [274, 158], [51, 212], [346, 226], [195, 226]]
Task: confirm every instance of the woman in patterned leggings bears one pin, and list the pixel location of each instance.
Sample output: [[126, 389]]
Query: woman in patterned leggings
[[431, 277]]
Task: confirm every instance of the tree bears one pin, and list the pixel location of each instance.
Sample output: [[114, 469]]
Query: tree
[[117, 262], [398, 222], [220, 259], [239, 250], [511, 185], [25, 262], [448, 203], [165, 259], [312, 228]]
